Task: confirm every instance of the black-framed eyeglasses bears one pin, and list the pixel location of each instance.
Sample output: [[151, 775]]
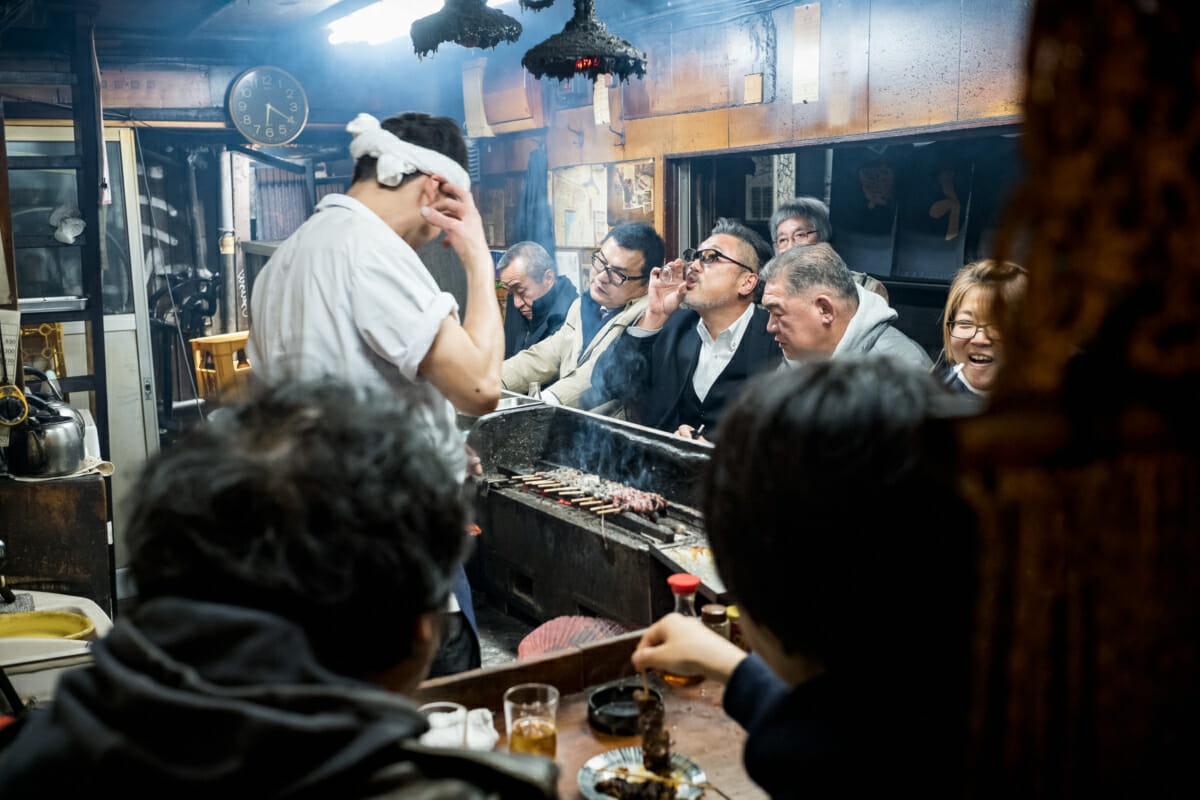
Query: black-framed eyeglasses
[[796, 235], [965, 329], [613, 273], [710, 255]]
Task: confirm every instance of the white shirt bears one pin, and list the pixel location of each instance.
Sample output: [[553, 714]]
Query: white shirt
[[715, 354], [345, 296]]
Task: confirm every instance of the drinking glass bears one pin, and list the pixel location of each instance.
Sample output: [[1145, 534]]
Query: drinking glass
[[530, 716]]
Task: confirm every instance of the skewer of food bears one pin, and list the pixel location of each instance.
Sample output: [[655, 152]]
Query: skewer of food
[[618, 494], [656, 757]]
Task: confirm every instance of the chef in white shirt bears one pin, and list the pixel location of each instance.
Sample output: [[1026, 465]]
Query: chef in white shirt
[[346, 294]]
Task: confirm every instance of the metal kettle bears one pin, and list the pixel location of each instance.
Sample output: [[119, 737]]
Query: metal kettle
[[50, 442]]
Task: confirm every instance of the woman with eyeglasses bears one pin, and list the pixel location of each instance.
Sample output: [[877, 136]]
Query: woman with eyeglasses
[[973, 347]]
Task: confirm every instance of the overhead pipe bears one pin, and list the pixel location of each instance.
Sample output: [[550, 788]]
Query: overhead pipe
[[227, 245]]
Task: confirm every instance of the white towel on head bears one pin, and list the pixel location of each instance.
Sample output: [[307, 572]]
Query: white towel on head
[[397, 158]]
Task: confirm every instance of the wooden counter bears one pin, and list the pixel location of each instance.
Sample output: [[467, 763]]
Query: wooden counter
[[699, 728]]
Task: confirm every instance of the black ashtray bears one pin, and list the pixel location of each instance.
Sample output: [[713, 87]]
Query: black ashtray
[[612, 709]]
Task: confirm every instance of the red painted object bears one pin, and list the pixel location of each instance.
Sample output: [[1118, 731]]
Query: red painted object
[[561, 633]]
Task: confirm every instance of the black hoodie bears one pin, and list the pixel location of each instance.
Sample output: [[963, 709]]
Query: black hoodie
[[190, 699]]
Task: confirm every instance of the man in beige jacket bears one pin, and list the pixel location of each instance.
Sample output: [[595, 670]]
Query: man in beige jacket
[[615, 299]]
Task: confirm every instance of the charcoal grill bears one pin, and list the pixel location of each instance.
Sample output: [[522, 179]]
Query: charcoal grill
[[552, 547]]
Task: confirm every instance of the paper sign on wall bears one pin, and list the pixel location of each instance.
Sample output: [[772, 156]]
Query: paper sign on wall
[[806, 54]]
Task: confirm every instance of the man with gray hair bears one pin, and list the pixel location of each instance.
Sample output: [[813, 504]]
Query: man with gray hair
[[818, 310], [537, 300], [804, 220]]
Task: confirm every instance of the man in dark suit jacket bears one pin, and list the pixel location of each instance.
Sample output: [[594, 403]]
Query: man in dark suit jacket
[[537, 300], [700, 338]]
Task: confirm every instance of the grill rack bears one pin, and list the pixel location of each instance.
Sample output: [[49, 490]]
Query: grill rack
[[673, 523]]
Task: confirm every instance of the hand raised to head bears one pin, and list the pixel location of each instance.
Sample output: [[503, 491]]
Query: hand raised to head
[[454, 213]]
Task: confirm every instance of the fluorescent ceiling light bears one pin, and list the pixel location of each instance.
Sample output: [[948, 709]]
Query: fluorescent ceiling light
[[384, 21]]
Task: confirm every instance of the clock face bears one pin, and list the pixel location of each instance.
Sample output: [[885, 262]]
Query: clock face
[[268, 105]]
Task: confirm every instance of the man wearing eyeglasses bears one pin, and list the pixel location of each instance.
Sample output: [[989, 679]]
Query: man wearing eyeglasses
[[818, 311], [616, 297], [805, 220], [700, 338]]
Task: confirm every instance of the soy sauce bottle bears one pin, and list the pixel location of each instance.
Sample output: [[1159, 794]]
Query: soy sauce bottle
[[684, 587]]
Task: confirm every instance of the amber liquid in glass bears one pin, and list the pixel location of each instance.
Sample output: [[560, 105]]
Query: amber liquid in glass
[[533, 735], [682, 680]]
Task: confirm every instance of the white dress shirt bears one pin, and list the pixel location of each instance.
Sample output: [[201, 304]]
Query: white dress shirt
[[715, 354]]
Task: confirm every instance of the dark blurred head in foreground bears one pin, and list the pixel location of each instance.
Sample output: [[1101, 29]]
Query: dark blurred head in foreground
[[317, 503], [834, 521]]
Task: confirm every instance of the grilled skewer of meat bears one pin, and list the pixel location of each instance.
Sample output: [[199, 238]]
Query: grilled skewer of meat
[[656, 742], [628, 498]]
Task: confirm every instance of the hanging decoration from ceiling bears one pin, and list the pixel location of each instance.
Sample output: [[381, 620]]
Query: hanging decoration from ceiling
[[470, 23], [585, 47]]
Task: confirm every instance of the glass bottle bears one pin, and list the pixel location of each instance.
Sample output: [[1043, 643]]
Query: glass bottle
[[735, 627], [714, 617], [684, 587], [535, 390]]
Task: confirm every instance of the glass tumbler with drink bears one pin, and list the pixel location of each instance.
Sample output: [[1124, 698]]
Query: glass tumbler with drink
[[530, 715]]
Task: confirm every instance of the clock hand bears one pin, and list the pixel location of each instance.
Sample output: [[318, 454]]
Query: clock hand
[[271, 108]]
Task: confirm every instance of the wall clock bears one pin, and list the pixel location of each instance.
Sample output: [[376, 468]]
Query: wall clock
[[268, 105]]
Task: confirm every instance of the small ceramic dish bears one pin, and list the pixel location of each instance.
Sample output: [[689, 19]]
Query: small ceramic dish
[[45, 625], [612, 709]]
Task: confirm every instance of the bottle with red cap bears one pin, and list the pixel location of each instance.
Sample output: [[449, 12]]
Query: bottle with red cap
[[684, 587]]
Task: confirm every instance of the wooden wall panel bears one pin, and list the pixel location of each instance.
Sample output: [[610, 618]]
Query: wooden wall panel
[[704, 130], [992, 66], [752, 45], [647, 138], [914, 55], [762, 124], [845, 59], [883, 66], [700, 60], [651, 95]]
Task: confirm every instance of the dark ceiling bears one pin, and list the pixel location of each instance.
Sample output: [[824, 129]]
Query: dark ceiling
[[221, 29], [219, 38], [174, 29]]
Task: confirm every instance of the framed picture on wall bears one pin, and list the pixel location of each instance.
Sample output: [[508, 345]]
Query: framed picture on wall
[[631, 192], [579, 200]]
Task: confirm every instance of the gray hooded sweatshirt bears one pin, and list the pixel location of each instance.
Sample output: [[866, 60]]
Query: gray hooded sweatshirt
[[870, 331]]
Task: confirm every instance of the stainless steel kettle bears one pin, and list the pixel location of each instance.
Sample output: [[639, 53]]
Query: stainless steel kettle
[[49, 443]]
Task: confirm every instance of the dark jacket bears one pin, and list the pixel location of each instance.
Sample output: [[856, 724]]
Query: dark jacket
[[652, 376], [832, 738], [549, 313], [190, 699]]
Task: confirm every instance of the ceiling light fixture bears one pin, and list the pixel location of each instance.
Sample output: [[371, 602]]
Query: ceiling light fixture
[[386, 20], [585, 47], [469, 23]]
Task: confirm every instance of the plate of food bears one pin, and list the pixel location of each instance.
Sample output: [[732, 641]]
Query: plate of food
[[649, 772], [620, 773]]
